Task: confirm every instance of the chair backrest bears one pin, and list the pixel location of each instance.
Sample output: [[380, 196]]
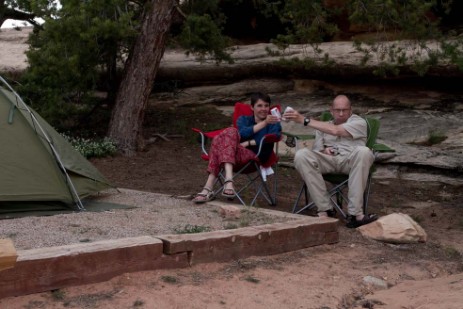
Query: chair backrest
[[372, 127], [241, 109], [326, 116]]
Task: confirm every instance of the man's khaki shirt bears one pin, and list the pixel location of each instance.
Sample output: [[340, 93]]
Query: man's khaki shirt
[[355, 125]]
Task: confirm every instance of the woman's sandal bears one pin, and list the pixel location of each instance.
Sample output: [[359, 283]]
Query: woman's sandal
[[204, 197], [229, 193]]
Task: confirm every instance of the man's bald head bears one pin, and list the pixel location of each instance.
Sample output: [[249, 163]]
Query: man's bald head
[[341, 109], [342, 99]]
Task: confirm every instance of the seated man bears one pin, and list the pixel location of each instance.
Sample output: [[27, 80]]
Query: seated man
[[339, 147]]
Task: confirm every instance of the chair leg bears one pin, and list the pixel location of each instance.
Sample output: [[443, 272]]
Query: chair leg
[[219, 182], [366, 195], [261, 188], [307, 205], [337, 198], [296, 203]]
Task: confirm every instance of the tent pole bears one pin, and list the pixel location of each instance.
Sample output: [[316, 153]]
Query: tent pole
[[71, 187]]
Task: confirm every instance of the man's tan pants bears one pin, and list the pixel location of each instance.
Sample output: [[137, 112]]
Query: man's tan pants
[[312, 164]]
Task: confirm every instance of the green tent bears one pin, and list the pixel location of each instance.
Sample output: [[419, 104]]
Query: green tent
[[37, 165]]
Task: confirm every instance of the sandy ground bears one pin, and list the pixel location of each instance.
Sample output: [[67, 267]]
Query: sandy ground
[[329, 276], [425, 275]]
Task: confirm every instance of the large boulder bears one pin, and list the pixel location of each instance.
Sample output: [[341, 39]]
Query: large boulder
[[397, 228]]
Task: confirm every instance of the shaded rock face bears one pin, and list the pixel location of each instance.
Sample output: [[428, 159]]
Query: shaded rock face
[[410, 117]]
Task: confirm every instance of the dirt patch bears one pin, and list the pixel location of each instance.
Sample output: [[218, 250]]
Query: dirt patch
[[328, 276]]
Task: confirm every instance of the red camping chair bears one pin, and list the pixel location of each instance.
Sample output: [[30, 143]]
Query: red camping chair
[[252, 168]]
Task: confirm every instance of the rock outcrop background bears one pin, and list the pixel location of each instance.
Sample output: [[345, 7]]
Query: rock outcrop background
[[412, 109]]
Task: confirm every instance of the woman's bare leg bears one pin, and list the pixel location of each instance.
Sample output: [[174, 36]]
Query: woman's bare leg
[[205, 194], [228, 187]]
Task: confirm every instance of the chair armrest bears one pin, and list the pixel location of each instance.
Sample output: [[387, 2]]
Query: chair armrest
[[268, 138], [271, 138], [209, 134], [382, 148], [299, 136], [205, 135], [293, 139]]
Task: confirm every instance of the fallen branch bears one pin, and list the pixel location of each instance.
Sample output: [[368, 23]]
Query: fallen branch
[[164, 136]]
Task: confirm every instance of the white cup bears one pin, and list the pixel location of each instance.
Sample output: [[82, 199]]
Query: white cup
[[275, 112], [287, 109]]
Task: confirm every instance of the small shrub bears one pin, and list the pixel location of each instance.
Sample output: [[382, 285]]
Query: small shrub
[[192, 229], [417, 218], [58, 294], [246, 218], [436, 137], [138, 303], [169, 279], [245, 221], [252, 279], [452, 253], [92, 148], [230, 226]]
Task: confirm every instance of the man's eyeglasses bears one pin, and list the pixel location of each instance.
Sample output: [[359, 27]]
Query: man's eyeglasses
[[338, 111]]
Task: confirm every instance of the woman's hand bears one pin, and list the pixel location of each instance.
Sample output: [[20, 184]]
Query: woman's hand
[[271, 119], [246, 144]]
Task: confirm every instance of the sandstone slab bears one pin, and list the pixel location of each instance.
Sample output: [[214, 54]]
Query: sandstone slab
[[8, 254], [396, 228]]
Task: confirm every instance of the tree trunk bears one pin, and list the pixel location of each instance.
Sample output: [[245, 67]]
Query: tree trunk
[[126, 124]]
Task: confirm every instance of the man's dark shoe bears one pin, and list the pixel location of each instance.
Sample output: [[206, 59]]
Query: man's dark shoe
[[354, 223], [331, 213]]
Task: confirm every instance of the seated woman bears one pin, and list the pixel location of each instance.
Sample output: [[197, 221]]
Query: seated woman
[[237, 146]]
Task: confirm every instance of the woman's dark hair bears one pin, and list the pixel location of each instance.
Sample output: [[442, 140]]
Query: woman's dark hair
[[256, 96]]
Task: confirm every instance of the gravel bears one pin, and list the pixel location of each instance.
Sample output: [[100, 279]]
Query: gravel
[[155, 214]]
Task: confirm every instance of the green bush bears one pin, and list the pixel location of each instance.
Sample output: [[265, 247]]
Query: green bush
[[192, 229], [92, 148]]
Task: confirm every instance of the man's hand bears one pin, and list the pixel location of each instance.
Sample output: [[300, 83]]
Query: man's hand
[[294, 115], [329, 151]]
